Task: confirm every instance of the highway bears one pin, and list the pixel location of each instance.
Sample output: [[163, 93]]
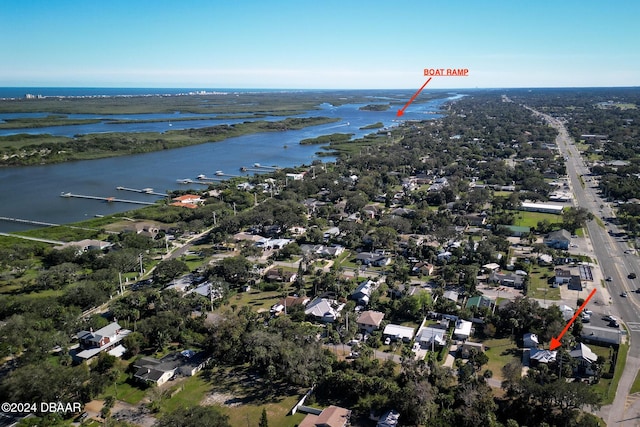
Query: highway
[[615, 259]]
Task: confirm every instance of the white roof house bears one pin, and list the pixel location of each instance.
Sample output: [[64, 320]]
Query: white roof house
[[462, 329], [322, 310], [432, 336], [398, 332], [567, 312], [542, 356]]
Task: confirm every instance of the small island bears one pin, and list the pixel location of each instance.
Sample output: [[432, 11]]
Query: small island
[[328, 139], [375, 107], [376, 125]]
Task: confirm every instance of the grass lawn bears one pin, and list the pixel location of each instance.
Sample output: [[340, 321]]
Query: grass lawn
[[125, 390], [607, 387], [259, 300], [635, 387], [531, 219], [501, 352], [242, 396], [539, 287], [192, 391]]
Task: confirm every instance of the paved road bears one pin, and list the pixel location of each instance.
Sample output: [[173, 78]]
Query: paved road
[[609, 251]]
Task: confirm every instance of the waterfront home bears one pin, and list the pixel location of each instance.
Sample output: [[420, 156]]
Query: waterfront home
[[190, 201]]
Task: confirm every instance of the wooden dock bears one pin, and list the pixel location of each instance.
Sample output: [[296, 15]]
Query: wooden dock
[[50, 224], [143, 191], [105, 199]]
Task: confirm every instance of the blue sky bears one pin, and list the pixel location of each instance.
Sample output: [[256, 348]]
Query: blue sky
[[318, 43]]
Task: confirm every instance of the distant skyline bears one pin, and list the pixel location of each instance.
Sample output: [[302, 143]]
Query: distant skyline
[[318, 44]]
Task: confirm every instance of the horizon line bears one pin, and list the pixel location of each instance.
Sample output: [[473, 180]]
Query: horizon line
[[315, 89]]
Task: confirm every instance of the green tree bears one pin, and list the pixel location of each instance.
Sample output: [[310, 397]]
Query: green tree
[[168, 270], [263, 419]]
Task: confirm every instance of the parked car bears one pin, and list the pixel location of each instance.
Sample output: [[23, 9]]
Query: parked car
[[387, 341]]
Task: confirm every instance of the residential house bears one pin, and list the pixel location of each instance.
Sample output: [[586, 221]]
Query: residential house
[[559, 239], [280, 275], [288, 302], [491, 267], [469, 346], [158, 371], [322, 250], [542, 356], [585, 357], [444, 256], [451, 295], [104, 339], [422, 269], [312, 205], [430, 337], [371, 211], [479, 301], [333, 416], [267, 243], [362, 294], [373, 258], [567, 312], [191, 201], [563, 276], [516, 230], [476, 220], [331, 233], [146, 229], [507, 279], [389, 419], [462, 330], [369, 320], [398, 332], [323, 310]]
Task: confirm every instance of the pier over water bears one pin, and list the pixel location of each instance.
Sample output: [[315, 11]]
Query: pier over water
[[105, 199]]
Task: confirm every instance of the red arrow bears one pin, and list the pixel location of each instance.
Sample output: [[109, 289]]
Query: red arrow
[[401, 111], [555, 342]]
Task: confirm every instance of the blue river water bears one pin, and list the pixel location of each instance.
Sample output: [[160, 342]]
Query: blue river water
[[33, 192]]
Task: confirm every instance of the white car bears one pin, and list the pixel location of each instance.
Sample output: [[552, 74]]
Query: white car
[[387, 341], [610, 318]]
